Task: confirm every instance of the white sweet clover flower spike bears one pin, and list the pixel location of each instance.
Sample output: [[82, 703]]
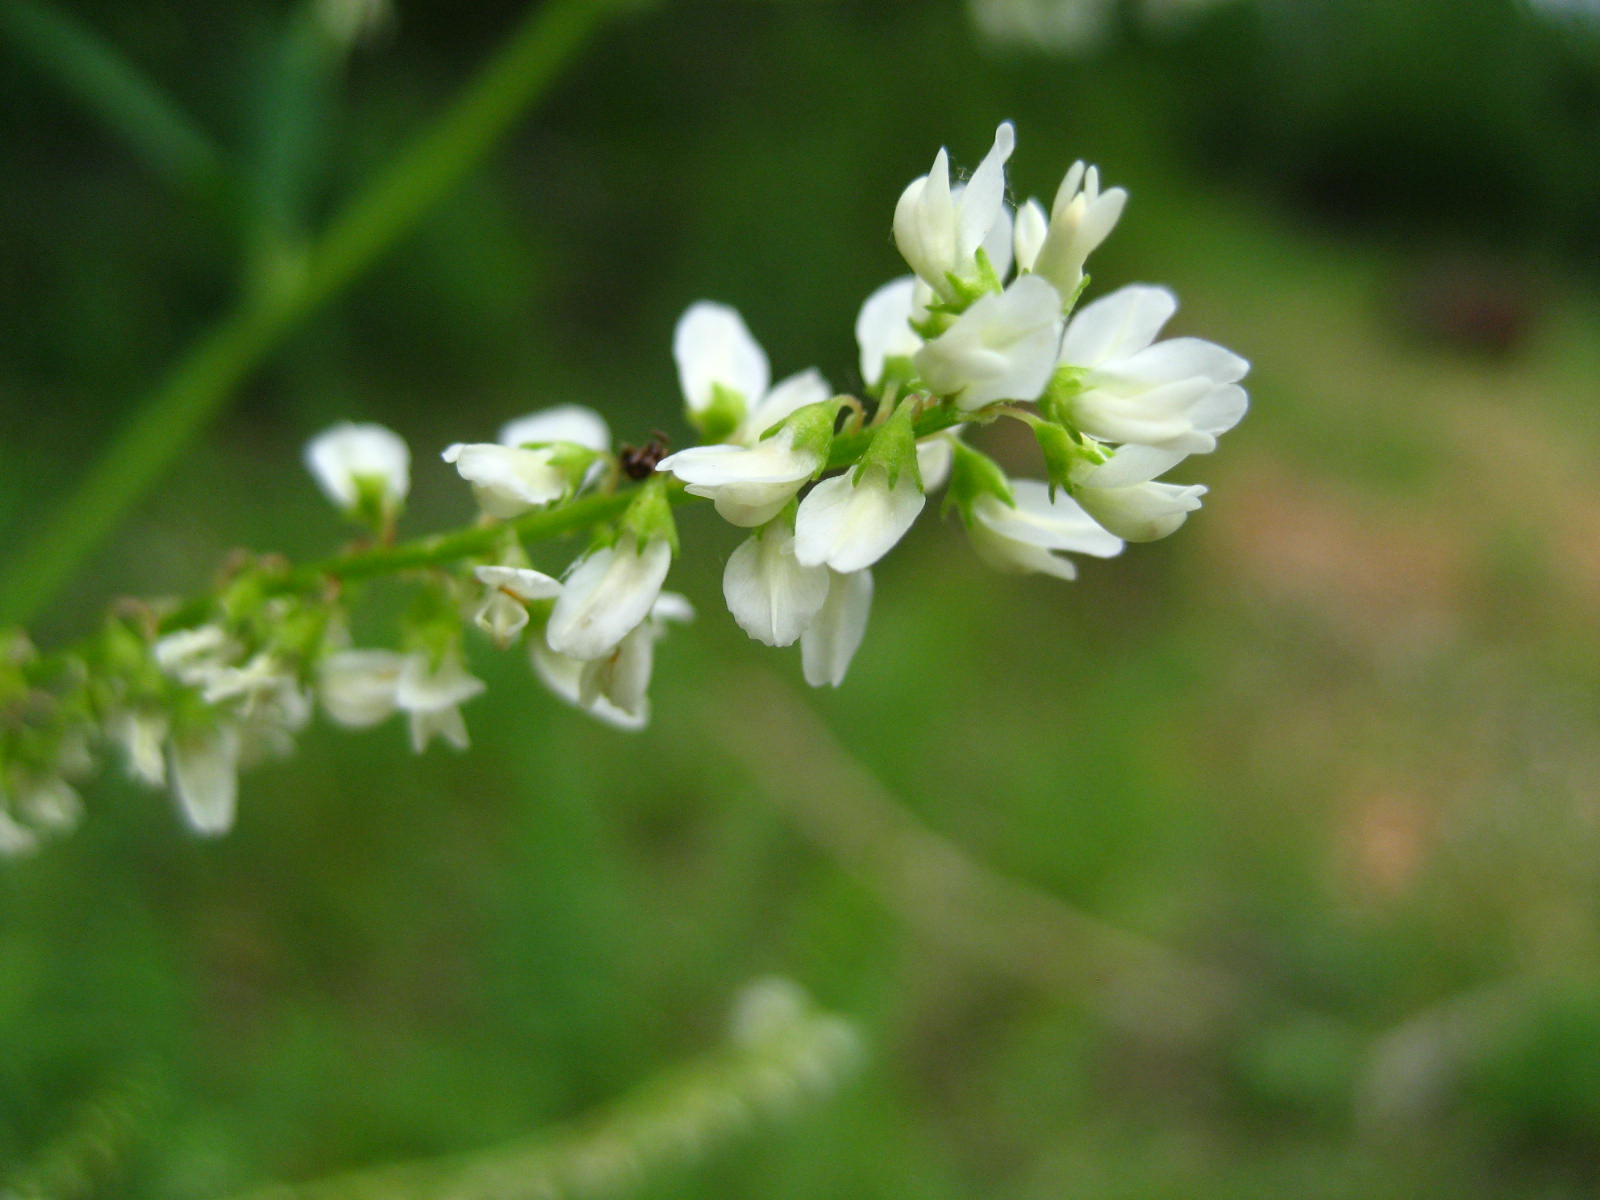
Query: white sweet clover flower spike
[[883, 327], [771, 594], [939, 231], [1004, 347], [831, 639], [204, 770], [431, 693], [1030, 535], [504, 612], [364, 469], [1122, 495], [1124, 386], [1081, 217], [358, 687], [852, 520], [608, 593]]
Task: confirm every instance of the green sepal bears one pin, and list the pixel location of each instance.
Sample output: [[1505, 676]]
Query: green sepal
[[899, 374], [893, 448], [811, 427], [1055, 405], [974, 474], [649, 515], [717, 420], [374, 508], [1071, 301], [1061, 452]]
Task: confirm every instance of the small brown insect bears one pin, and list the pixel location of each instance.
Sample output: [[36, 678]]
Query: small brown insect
[[639, 461]]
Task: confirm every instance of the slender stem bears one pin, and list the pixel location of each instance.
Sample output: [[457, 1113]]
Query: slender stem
[[117, 92], [203, 379]]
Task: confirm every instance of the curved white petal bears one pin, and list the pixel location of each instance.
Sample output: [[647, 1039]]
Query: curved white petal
[[788, 394], [563, 423], [982, 200], [564, 676], [1143, 512], [1026, 537], [712, 345], [357, 687], [1117, 326], [834, 635], [850, 525], [934, 458], [205, 777], [925, 223], [1028, 234], [883, 326], [609, 593], [508, 480], [771, 595]]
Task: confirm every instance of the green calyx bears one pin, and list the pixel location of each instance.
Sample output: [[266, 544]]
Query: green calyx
[[810, 428], [974, 474], [649, 515], [893, 448], [375, 507], [717, 420], [1055, 405]]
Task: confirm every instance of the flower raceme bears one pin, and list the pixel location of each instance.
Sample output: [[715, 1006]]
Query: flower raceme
[[821, 486]]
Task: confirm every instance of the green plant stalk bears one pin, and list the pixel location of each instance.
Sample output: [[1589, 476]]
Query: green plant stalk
[[167, 422], [118, 93]]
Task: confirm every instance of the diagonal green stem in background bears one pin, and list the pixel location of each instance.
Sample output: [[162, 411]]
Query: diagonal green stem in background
[[116, 92], [517, 76]]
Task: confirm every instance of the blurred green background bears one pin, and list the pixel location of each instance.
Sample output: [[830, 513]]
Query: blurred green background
[[1337, 741]]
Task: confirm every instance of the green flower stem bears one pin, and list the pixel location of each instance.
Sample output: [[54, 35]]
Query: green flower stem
[[848, 448], [118, 93], [522, 70], [676, 1117]]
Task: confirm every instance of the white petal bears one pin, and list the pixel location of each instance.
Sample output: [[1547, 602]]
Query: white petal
[[771, 595], [610, 592], [508, 481], [521, 582], [1144, 512], [205, 778], [982, 200], [795, 392], [425, 686], [1117, 326], [883, 327], [934, 457], [1028, 234], [1129, 465], [712, 345], [357, 687], [622, 677], [563, 676], [1002, 348], [1022, 538], [563, 423], [340, 457], [850, 526], [925, 224], [774, 460], [832, 638]]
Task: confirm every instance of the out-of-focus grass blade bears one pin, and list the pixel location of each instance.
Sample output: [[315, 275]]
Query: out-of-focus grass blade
[[117, 93]]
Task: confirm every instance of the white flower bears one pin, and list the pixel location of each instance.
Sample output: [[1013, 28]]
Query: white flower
[[613, 687], [357, 465], [713, 347], [934, 456], [205, 776], [357, 687], [939, 230], [1176, 395], [786, 397], [771, 594], [143, 737], [834, 635], [16, 839], [1081, 217], [749, 485], [1028, 234], [504, 611], [849, 523], [608, 593], [431, 694], [195, 656], [1002, 348], [1028, 537], [1120, 495], [539, 459], [883, 326]]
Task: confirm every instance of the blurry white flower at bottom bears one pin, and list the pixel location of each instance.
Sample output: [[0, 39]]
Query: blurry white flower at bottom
[[509, 590], [357, 687], [833, 636], [204, 769], [1031, 536], [431, 694], [614, 687]]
